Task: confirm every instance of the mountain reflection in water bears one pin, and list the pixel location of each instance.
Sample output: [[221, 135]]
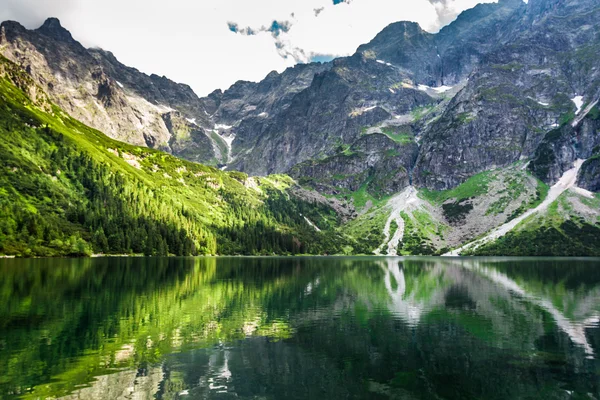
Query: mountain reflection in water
[[300, 328]]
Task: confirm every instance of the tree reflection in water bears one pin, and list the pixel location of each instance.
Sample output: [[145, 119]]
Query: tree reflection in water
[[299, 328]]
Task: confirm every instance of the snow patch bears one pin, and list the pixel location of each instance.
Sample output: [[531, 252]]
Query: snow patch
[[228, 139], [443, 89], [541, 103], [582, 115], [263, 115], [578, 100], [359, 111], [191, 121], [392, 90], [223, 126], [120, 84], [384, 63], [440, 89]]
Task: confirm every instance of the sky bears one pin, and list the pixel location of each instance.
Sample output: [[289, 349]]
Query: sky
[[210, 44]]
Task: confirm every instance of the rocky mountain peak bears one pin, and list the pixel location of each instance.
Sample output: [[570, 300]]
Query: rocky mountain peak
[[396, 32], [511, 2], [9, 29], [53, 28], [405, 26], [272, 75]]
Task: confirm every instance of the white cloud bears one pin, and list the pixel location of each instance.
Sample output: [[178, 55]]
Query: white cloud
[[190, 42]]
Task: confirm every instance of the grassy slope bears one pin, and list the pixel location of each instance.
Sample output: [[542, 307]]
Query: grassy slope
[[563, 230], [66, 189], [368, 229]]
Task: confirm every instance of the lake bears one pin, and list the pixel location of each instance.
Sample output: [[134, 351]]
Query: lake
[[300, 328]]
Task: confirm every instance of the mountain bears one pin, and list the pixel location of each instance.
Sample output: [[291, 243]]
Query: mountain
[[518, 95], [421, 142], [92, 86], [384, 85], [67, 189]]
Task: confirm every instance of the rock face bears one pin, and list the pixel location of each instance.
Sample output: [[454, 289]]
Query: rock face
[[120, 101], [562, 146], [356, 93], [518, 93], [518, 68], [589, 177], [388, 80], [375, 160], [505, 82]]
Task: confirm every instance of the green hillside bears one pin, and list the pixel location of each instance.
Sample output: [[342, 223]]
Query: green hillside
[[569, 227], [69, 190]]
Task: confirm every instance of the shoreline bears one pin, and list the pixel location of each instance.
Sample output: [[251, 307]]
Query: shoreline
[[367, 256], [100, 255]]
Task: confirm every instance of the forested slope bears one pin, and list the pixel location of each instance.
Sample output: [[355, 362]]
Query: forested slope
[[66, 189]]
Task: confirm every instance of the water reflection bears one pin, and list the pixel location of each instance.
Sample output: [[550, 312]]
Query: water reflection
[[299, 328], [588, 313]]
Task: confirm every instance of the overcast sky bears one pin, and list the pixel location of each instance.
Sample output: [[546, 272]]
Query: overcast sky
[[210, 44]]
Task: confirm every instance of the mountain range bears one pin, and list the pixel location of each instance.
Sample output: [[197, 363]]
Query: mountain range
[[487, 132]]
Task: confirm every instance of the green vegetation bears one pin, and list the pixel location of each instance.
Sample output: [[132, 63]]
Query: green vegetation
[[457, 211], [515, 187], [510, 186], [464, 118], [499, 206], [570, 238], [68, 190], [368, 229], [362, 196], [420, 112], [223, 149], [566, 118], [560, 231], [414, 242], [513, 66], [400, 137], [594, 113], [393, 227], [473, 187], [139, 311], [344, 149], [541, 193], [427, 226]]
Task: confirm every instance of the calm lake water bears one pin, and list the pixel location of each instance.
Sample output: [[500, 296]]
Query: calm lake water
[[300, 328]]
